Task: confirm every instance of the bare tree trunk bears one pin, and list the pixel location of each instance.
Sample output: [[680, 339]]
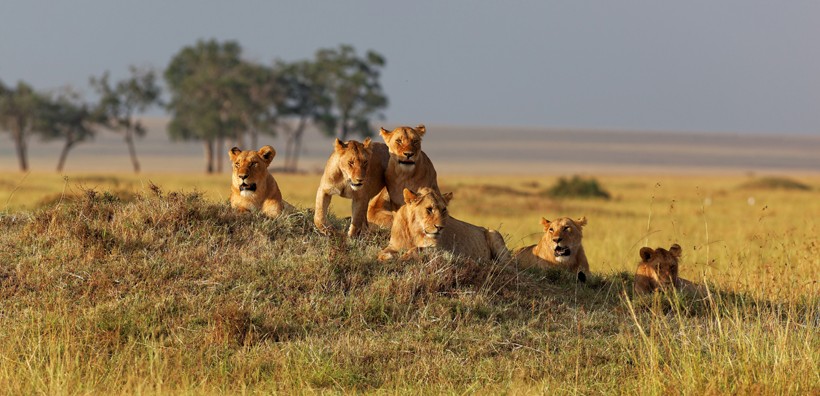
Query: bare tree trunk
[[129, 140], [64, 154], [297, 137], [20, 143], [209, 156], [220, 144]]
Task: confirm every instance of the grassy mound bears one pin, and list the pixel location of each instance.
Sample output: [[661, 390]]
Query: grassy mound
[[168, 293], [577, 187], [774, 183]]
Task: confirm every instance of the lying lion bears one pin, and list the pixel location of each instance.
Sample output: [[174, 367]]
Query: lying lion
[[658, 270], [560, 246], [252, 187], [423, 222], [408, 167], [356, 171]]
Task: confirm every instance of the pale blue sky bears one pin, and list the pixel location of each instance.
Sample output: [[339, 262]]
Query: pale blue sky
[[723, 66]]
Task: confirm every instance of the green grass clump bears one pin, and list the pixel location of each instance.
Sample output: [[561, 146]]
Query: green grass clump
[[775, 183], [577, 187], [171, 293]]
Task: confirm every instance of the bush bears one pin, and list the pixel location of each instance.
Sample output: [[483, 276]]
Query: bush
[[577, 187], [774, 183]]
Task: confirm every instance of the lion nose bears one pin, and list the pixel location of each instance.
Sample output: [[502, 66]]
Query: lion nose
[[359, 180], [558, 239], [409, 154], [243, 177]]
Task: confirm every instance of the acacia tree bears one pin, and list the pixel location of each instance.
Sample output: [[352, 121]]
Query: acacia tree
[[119, 103], [353, 85], [306, 98], [19, 109], [202, 81], [65, 117]]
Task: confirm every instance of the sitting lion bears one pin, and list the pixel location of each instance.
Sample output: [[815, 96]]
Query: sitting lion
[[252, 187], [658, 270], [408, 167], [423, 222], [356, 171], [560, 246]]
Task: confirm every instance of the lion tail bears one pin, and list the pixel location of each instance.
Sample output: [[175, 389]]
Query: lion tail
[[497, 246]]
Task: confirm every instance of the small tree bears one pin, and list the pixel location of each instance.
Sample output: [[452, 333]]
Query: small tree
[[119, 103], [353, 85], [65, 117], [306, 98], [19, 109]]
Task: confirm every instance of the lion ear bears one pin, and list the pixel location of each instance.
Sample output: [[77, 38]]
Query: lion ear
[[409, 196], [447, 197], [267, 153], [234, 152], [581, 221], [366, 142], [421, 129], [675, 250], [545, 223], [339, 146], [646, 253], [385, 133]]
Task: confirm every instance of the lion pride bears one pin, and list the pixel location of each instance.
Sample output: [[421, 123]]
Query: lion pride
[[408, 167], [423, 222], [560, 246], [356, 171], [252, 186]]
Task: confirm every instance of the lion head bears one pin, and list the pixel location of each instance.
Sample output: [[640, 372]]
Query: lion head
[[563, 236], [404, 144], [427, 213], [353, 160], [250, 168], [663, 262]]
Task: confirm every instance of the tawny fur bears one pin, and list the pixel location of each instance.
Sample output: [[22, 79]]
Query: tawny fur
[[251, 169], [355, 171], [658, 271], [423, 222], [408, 167], [562, 233]]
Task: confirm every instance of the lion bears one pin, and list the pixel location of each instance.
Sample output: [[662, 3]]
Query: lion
[[252, 186], [356, 171], [560, 247], [423, 222], [408, 167], [658, 271]]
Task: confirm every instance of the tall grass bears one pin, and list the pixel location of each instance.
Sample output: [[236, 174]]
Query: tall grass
[[162, 291]]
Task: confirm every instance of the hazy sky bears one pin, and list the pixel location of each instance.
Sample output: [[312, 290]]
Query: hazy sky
[[734, 66]]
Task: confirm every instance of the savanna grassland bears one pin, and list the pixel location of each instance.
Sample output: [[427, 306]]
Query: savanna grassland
[[151, 284]]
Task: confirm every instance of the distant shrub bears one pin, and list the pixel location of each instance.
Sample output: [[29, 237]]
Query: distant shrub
[[577, 187], [774, 183]]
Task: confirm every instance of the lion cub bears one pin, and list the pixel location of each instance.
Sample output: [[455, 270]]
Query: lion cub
[[560, 246], [356, 171], [423, 222], [658, 270], [408, 167], [252, 186]]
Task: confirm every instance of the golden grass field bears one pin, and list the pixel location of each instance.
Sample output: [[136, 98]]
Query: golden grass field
[[133, 291]]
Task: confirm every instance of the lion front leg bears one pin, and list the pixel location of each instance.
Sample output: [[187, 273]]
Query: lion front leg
[[379, 209], [320, 212], [358, 219]]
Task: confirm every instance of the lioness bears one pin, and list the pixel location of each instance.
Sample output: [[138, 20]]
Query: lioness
[[423, 222], [252, 187], [560, 246], [356, 171], [408, 167], [658, 270]]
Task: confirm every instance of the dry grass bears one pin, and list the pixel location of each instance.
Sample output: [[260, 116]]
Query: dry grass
[[132, 289]]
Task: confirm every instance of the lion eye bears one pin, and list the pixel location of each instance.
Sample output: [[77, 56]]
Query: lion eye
[[398, 141], [567, 229], [350, 162], [365, 163], [430, 210], [253, 164], [236, 165], [444, 210], [551, 230]]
